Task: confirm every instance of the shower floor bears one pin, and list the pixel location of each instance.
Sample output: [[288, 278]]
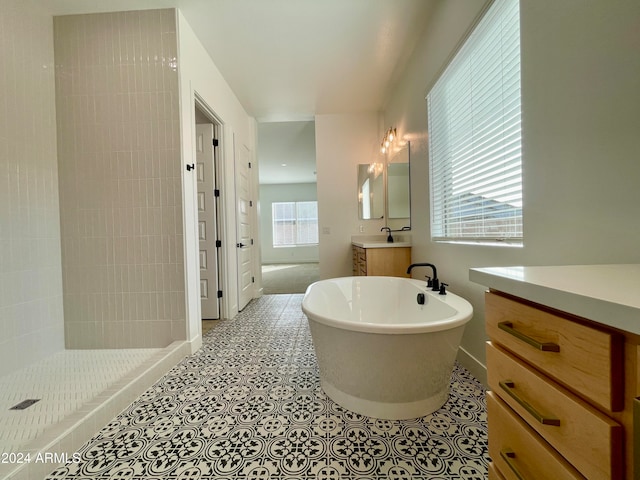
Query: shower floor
[[63, 382], [248, 405], [79, 392]]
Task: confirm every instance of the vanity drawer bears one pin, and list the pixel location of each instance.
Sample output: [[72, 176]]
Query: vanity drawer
[[588, 439], [494, 473], [583, 358], [359, 261], [354, 260], [518, 451]]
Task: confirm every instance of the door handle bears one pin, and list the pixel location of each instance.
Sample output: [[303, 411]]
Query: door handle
[[240, 245]]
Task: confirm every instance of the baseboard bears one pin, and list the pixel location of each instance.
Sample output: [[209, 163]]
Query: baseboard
[[58, 443], [195, 344], [472, 364]]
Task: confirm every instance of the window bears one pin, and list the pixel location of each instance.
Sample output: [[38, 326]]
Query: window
[[295, 223], [475, 135]]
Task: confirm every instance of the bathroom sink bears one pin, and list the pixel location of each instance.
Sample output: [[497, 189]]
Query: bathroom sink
[[380, 241]]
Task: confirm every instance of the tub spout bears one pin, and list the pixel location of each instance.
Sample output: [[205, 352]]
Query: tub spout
[[435, 286]]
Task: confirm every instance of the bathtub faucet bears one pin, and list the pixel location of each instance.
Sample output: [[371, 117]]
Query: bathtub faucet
[[435, 283]]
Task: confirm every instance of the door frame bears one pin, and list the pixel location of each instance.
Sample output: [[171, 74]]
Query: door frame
[[223, 268]]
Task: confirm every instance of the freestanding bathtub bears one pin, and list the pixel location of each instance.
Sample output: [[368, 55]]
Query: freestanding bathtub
[[380, 352]]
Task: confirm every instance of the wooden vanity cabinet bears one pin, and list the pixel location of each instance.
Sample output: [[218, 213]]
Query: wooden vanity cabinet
[[385, 261], [494, 473], [516, 450], [563, 387]]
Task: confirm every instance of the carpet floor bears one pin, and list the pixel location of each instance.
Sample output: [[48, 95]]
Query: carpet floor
[[289, 278]]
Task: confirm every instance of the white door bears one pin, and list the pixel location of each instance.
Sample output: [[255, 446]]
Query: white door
[[244, 243], [207, 221]]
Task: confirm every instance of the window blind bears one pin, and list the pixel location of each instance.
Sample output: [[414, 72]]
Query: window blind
[[475, 135], [307, 231], [295, 223], [284, 223]]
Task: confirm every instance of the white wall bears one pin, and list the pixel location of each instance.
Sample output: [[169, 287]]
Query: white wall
[[580, 117], [342, 142], [198, 75], [31, 311], [291, 192]]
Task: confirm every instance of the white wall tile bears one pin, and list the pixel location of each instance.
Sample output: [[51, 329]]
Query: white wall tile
[[120, 166], [31, 317]]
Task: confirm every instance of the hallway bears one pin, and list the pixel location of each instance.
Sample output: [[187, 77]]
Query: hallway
[[248, 406]]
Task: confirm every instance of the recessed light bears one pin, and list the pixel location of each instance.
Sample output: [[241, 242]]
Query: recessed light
[[284, 164]]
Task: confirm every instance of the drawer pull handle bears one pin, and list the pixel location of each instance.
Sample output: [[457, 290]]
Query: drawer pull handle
[[508, 386], [508, 456], [545, 347]]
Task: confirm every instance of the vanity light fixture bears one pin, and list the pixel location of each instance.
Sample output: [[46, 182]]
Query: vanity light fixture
[[375, 169], [389, 136]]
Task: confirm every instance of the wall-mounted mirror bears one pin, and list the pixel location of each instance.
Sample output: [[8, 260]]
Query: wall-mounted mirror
[[398, 189], [385, 191], [371, 191]]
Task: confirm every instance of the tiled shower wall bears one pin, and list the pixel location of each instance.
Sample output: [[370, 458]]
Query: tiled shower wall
[[31, 316], [120, 184]]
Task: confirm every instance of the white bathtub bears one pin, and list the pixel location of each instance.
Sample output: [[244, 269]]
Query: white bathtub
[[380, 353]]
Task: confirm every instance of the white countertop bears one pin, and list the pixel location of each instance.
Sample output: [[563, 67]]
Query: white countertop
[[380, 241], [607, 294], [381, 244]]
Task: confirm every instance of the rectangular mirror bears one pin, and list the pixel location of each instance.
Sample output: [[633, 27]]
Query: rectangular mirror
[[370, 191], [398, 187]]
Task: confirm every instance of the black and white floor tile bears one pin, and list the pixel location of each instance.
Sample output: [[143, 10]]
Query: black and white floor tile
[[248, 406]]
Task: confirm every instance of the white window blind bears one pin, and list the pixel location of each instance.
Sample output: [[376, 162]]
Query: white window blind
[[475, 135], [294, 223]]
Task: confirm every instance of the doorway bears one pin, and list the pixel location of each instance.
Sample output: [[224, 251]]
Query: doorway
[[288, 206]]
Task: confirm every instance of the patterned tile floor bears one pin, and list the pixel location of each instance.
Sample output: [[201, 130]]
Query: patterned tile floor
[[248, 406]]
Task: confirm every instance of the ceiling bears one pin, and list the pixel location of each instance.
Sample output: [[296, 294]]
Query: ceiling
[[288, 60], [287, 152]]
